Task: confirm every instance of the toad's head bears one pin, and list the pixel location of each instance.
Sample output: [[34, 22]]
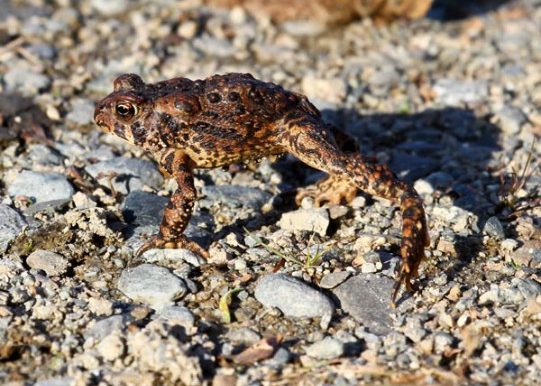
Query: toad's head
[[128, 113]]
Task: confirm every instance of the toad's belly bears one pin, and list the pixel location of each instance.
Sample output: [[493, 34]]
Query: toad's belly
[[210, 146], [222, 154]]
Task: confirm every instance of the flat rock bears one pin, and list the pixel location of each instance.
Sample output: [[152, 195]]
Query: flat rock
[[152, 285], [303, 27], [52, 263], [41, 187], [131, 174], [367, 298], [314, 220], [294, 298], [11, 224]]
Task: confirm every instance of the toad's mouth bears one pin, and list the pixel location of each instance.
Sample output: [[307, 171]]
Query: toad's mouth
[[102, 125]]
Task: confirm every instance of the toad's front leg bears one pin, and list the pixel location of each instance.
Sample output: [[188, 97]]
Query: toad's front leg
[[178, 211]]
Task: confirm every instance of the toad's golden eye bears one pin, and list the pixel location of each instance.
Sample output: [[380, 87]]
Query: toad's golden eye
[[125, 110]]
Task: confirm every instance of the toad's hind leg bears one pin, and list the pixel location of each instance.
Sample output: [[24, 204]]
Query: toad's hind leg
[[311, 142], [178, 211], [333, 189]]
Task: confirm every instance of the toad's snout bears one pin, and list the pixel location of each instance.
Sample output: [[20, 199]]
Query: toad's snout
[[100, 116]]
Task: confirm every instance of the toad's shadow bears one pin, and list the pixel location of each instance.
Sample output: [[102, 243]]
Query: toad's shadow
[[449, 10]]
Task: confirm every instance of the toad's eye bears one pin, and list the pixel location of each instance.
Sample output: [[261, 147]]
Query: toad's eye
[[125, 110]]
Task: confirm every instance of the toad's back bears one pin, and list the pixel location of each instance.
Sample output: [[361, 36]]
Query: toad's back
[[226, 117]]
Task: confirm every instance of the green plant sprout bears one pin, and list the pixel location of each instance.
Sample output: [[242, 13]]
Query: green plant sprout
[[225, 301], [310, 260]]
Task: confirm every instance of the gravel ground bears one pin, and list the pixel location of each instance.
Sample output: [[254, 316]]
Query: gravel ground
[[453, 107]]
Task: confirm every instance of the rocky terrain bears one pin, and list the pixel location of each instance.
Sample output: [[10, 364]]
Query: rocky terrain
[[290, 295]]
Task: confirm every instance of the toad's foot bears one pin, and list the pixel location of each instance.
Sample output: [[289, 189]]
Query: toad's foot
[[332, 189], [179, 243]]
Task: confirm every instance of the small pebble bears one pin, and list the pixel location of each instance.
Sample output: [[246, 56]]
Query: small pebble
[[313, 220], [152, 285], [111, 347], [328, 348], [494, 228]]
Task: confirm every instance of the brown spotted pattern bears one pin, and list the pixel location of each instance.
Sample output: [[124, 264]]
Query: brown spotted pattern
[[230, 118]]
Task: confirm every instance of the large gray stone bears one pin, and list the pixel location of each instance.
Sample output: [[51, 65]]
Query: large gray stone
[[294, 298], [367, 298]]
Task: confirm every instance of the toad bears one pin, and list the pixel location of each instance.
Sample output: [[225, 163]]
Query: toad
[[187, 124]]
